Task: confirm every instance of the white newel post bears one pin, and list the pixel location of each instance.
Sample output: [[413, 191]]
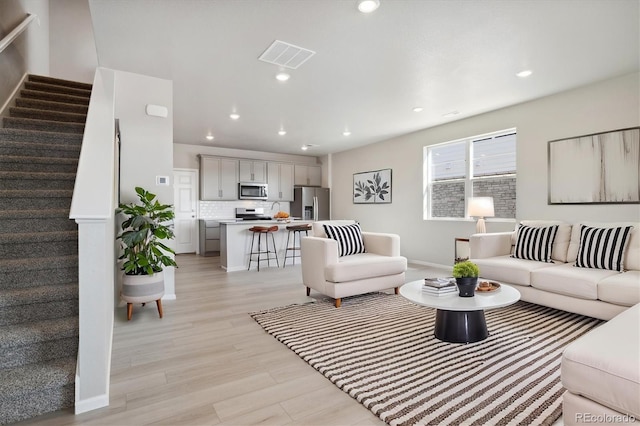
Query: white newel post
[[96, 256]]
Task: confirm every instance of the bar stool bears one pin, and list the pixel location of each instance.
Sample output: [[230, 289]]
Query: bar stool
[[296, 229], [266, 231]]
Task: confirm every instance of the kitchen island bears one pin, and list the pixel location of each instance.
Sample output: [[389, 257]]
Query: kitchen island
[[235, 242]]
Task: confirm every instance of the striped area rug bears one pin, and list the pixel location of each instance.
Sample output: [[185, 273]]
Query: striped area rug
[[380, 349]]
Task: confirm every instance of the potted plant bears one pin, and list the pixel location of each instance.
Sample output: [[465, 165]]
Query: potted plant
[[466, 275], [144, 254]]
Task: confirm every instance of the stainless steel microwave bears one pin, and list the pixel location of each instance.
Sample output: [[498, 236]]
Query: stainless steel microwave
[[252, 191]]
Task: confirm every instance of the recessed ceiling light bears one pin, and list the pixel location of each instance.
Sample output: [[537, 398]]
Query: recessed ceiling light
[[282, 132], [451, 114], [525, 73], [282, 76], [417, 109], [209, 137], [304, 147], [234, 116], [346, 133], [368, 6]]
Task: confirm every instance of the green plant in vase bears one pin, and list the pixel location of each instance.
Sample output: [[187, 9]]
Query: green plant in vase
[[144, 254], [466, 274]]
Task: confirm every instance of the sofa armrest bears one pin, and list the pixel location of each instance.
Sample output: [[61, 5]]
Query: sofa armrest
[[489, 245], [315, 254], [382, 244]]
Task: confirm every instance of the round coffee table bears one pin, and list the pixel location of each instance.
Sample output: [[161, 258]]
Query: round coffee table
[[460, 319]]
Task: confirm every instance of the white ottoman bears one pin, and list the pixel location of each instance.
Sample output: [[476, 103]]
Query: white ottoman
[[601, 372]]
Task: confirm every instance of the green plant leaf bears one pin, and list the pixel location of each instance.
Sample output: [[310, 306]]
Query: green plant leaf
[[144, 225]]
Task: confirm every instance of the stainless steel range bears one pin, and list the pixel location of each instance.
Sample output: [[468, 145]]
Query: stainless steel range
[[251, 214]]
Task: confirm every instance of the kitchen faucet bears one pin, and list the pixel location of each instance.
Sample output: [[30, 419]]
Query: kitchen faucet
[[274, 203]]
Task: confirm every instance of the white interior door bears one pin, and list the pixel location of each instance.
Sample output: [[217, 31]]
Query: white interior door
[[185, 190]]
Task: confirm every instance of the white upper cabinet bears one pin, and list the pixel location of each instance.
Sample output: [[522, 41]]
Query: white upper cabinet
[[253, 171], [308, 175], [218, 178], [280, 180]]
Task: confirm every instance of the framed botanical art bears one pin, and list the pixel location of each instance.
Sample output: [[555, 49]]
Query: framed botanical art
[[372, 187], [602, 168]]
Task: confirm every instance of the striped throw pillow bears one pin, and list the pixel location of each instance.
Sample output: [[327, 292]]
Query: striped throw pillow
[[349, 238], [535, 243], [603, 248]]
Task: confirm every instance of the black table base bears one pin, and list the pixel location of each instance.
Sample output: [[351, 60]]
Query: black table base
[[461, 326]]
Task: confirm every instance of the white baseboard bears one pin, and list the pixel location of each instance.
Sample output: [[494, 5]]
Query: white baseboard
[[434, 265], [92, 403]]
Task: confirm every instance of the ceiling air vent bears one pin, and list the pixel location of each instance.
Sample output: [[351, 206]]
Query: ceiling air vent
[[286, 54]]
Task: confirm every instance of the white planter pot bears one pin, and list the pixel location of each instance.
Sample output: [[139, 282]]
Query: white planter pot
[[142, 288]]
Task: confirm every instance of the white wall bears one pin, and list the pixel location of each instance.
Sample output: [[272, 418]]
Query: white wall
[[147, 142], [29, 52], [37, 37], [72, 45], [607, 105]]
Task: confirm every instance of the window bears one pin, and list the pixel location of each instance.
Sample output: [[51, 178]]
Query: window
[[480, 166]]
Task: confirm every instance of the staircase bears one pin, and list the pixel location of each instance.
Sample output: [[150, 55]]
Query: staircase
[[39, 147]]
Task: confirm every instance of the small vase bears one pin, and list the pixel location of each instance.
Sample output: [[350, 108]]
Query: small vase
[[467, 286]]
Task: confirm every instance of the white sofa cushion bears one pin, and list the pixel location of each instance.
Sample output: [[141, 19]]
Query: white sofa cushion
[[535, 243], [561, 242], [632, 254], [621, 289], [602, 248], [364, 265], [602, 365], [571, 281], [510, 270]]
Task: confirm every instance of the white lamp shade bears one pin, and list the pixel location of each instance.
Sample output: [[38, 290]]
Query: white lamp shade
[[481, 207]]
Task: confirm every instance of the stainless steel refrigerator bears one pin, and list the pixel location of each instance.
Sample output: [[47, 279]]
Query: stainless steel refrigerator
[[310, 203]]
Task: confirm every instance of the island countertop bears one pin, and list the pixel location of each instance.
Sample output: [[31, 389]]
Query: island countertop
[[258, 222], [235, 242]]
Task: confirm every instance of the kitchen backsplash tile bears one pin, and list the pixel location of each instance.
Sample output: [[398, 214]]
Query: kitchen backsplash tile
[[227, 209]]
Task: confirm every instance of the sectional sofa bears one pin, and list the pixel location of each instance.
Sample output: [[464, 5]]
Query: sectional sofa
[[576, 272], [598, 293]]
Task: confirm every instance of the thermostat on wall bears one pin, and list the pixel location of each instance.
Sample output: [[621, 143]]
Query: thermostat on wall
[[162, 180]]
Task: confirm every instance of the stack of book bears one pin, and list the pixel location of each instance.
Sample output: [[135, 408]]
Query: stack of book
[[439, 286]]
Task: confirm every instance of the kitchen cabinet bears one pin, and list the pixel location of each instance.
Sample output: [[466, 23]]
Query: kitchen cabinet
[[307, 175], [209, 237], [253, 171], [218, 178], [280, 180]]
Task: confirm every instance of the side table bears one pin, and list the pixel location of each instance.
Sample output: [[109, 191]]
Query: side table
[[461, 250]]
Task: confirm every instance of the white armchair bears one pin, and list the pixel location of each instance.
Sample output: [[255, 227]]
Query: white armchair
[[380, 267]]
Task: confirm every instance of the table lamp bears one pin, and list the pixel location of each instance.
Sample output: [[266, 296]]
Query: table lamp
[[480, 207]]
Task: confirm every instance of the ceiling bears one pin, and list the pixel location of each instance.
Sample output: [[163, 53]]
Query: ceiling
[[369, 70]]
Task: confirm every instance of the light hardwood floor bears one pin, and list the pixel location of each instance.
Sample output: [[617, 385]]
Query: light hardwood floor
[[207, 362]]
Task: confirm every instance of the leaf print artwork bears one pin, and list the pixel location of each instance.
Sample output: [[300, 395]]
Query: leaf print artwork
[[372, 187]]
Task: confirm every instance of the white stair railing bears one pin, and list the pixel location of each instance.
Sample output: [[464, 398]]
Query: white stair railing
[[8, 39], [93, 208]]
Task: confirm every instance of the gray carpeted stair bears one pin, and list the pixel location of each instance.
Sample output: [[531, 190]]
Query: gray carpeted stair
[[40, 143], [52, 106]]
